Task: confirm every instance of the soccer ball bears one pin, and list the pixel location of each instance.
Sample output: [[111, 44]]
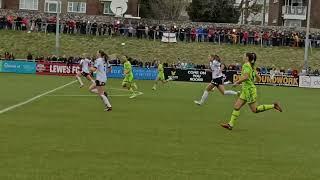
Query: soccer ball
[[123, 44]]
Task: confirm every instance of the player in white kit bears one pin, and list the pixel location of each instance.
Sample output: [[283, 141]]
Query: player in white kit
[[101, 66], [85, 65], [217, 79]]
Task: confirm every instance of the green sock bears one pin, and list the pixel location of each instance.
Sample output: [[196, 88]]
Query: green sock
[[263, 108], [135, 85], [131, 90], [234, 117]]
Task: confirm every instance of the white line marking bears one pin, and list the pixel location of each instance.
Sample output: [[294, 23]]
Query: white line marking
[[35, 98], [82, 95], [79, 95]]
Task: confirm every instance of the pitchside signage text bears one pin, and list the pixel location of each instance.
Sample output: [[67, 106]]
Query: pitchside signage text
[[187, 75], [275, 81], [60, 69], [138, 73], [19, 67], [309, 82]]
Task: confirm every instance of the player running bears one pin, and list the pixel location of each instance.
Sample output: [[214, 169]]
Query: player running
[[249, 91], [128, 77], [217, 79], [100, 67], [85, 65], [160, 77]]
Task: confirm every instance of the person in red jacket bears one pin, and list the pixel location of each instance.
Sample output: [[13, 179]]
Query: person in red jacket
[[245, 37], [193, 34]]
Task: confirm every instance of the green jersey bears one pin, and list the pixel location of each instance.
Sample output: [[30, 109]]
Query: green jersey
[[128, 68], [249, 90], [160, 68], [247, 69]]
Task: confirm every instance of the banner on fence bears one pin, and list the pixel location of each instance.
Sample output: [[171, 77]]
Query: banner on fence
[[266, 79], [169, 38], [60, 69], [309, 82], [193, 75], [138, 73], [19, 67], [231, 76]]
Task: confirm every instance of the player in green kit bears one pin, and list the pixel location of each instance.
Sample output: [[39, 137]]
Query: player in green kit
[[249, 92], [160, 76], [128, 77]]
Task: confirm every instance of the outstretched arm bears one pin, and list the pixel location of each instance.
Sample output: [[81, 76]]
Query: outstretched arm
[[244, 77]]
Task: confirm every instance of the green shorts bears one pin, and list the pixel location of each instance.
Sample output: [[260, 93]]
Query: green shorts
[[127, 80], [161, 77], [249, 94]]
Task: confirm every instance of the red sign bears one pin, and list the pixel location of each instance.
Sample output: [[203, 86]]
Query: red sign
[[60, 69]]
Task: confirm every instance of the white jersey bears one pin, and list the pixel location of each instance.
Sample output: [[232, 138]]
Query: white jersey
[[216, 69], [85, 64], [101, 73]]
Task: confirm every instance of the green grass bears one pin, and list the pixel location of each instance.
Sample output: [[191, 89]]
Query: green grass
[[40, 44], [160, 135]]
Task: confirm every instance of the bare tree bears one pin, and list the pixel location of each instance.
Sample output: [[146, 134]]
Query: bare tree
[[168, 9]]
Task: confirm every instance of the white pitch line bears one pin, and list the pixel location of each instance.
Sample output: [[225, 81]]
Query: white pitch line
[[79, 95], [35, 98]]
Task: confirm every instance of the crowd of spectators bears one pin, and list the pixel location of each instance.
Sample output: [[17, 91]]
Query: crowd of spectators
[[232, 34], [187, 32]]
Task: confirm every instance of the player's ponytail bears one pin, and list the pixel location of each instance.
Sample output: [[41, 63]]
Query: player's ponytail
[[252, 58], [103, 55]]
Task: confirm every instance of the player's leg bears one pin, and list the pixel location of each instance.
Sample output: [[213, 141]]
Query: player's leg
[[125, 83], [252, 101], [78, 76], [93, 88], [104, 98], [265, 107], [156, 83], [89, 77], [131, 87], [205, 94], [226, 92], [235, 114]]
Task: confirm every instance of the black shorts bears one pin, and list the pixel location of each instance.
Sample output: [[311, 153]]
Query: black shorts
[[84, 74], [218, 81], [99, 83]]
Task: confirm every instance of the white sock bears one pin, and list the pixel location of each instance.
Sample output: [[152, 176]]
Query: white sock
[[80, 81], [105, 100], [204, 96], [93, 81], [230, 92], [94, 91]]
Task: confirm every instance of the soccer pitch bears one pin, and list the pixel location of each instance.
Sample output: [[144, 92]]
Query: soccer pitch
[[161, 134]]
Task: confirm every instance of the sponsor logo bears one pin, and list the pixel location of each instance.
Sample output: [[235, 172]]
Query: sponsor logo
[[309, 82], [315, 82], [41, 68], [173, 75], [278, 80], [305, 81], [9, 66], [64, 69], [197, 76]]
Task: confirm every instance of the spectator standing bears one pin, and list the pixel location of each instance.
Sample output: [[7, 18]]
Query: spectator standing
[[245, 37], [29, 57]]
